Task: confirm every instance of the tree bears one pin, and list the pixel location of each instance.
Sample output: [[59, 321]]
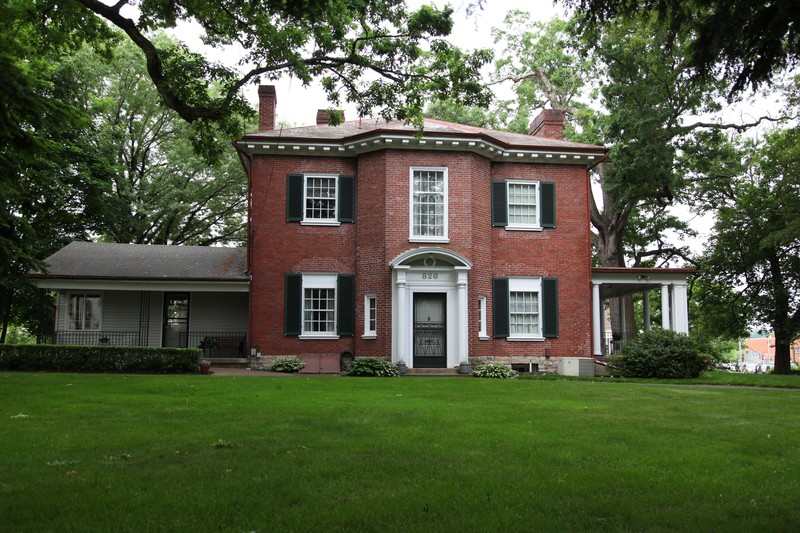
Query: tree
[[749, 41], [162, 191], [52, 184], [369, 53], [754, 254]]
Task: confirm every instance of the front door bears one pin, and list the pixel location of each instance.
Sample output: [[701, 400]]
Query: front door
[[430, 331], [176, 319]]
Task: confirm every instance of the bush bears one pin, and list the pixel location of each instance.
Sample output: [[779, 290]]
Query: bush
[[370, 366], [122, 359], [494, 370], [288, 365], [659, 353]]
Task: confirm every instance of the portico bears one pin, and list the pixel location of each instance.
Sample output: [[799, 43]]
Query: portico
[[612, 282]]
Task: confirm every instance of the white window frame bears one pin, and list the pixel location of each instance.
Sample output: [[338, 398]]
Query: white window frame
[[318, 281], [525, 285], [370, 316], [443, 238], [70, 323], [309, 221], [482, 318], [537, 224]]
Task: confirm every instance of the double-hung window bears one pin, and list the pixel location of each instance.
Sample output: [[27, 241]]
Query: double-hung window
[[320, 199], [85, 311], [523, 205], [525, 308], [428, 213], [319, 305], [370, 316]]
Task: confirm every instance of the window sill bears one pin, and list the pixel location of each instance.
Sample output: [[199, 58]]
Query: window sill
[[319, 337], [525, 339], [442, 240], [524, 228], [320, 223], [370, 337], [484, 338]]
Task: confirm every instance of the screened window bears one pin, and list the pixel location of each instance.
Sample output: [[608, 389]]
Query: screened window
[[85, 311], [523, 315], [523, 200], [319, 311], [320, 198], [429, 204]]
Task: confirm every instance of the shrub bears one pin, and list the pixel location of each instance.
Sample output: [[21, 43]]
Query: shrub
[[60, 358], [659, 353], [494, 370], [370, 366], [288, 365]]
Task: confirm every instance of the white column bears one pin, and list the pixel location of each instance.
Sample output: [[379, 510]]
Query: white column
[[646, 309], [403, 317], [665, 307], [680, 308], [597, 320], [462, 335]]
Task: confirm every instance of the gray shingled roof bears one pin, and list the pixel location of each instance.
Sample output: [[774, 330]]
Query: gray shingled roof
[[93, 260], [356, 128]]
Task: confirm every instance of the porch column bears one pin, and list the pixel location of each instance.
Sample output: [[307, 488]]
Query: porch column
[[646, 309], [403, 321], [665, 307], [597, 321], [680, 308], [462, 336]]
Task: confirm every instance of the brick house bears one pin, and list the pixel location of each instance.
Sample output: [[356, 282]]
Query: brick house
[[372, 239]]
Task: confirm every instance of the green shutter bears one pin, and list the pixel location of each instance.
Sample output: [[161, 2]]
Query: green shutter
[[347, 199], [293, 305], [547, 197], [550, 307], [500, 307], [499, 204], [294, 198], [346, 305]]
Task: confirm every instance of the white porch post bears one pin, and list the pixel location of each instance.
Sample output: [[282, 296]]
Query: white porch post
[[597, 321], [462, 338], [403, 316], [646, 309], [665, 307], [680, 308]]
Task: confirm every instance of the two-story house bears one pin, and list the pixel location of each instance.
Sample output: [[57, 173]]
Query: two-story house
[[371, 238]]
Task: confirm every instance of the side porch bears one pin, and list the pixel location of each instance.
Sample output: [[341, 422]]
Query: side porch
[[615, 283]]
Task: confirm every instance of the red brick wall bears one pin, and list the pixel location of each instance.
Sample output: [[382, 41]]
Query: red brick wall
[[381, 232]]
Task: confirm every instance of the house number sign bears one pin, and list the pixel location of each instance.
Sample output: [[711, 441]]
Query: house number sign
[[430, 275]]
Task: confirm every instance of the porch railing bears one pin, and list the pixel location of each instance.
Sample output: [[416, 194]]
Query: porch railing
[[225, 344], [103, 338], [612, 344]]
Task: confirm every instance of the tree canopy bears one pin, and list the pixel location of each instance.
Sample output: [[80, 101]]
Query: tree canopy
[[748, 41]]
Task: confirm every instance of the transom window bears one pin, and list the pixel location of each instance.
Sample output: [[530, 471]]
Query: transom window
[[523, 200], [85, 311], [320, 198], [429, 204]]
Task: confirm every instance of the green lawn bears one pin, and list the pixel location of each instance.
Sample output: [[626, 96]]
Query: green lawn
[[203, 453]]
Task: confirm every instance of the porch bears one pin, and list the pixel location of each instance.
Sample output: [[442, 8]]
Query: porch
[[610, 282]]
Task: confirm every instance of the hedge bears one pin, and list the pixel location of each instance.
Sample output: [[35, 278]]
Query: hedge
[[100, 359]]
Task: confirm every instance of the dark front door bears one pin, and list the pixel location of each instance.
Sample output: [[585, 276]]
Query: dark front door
[[176, 319], [430, 332]]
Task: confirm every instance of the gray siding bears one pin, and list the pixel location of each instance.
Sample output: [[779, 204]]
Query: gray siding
[[218, 312]]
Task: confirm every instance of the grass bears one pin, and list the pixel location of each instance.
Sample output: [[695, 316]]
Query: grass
[[200, 453]]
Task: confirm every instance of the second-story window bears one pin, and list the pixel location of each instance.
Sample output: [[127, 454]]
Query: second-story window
[[428, 213], [320, 199]]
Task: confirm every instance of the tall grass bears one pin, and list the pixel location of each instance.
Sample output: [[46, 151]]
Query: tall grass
[[199, 453]]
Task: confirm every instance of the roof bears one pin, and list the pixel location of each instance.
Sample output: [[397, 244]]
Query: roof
[[111, 261], [363, 135]]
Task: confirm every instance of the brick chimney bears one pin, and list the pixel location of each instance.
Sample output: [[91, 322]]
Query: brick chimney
[[324, 117], [267, 101], [549, 123]]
